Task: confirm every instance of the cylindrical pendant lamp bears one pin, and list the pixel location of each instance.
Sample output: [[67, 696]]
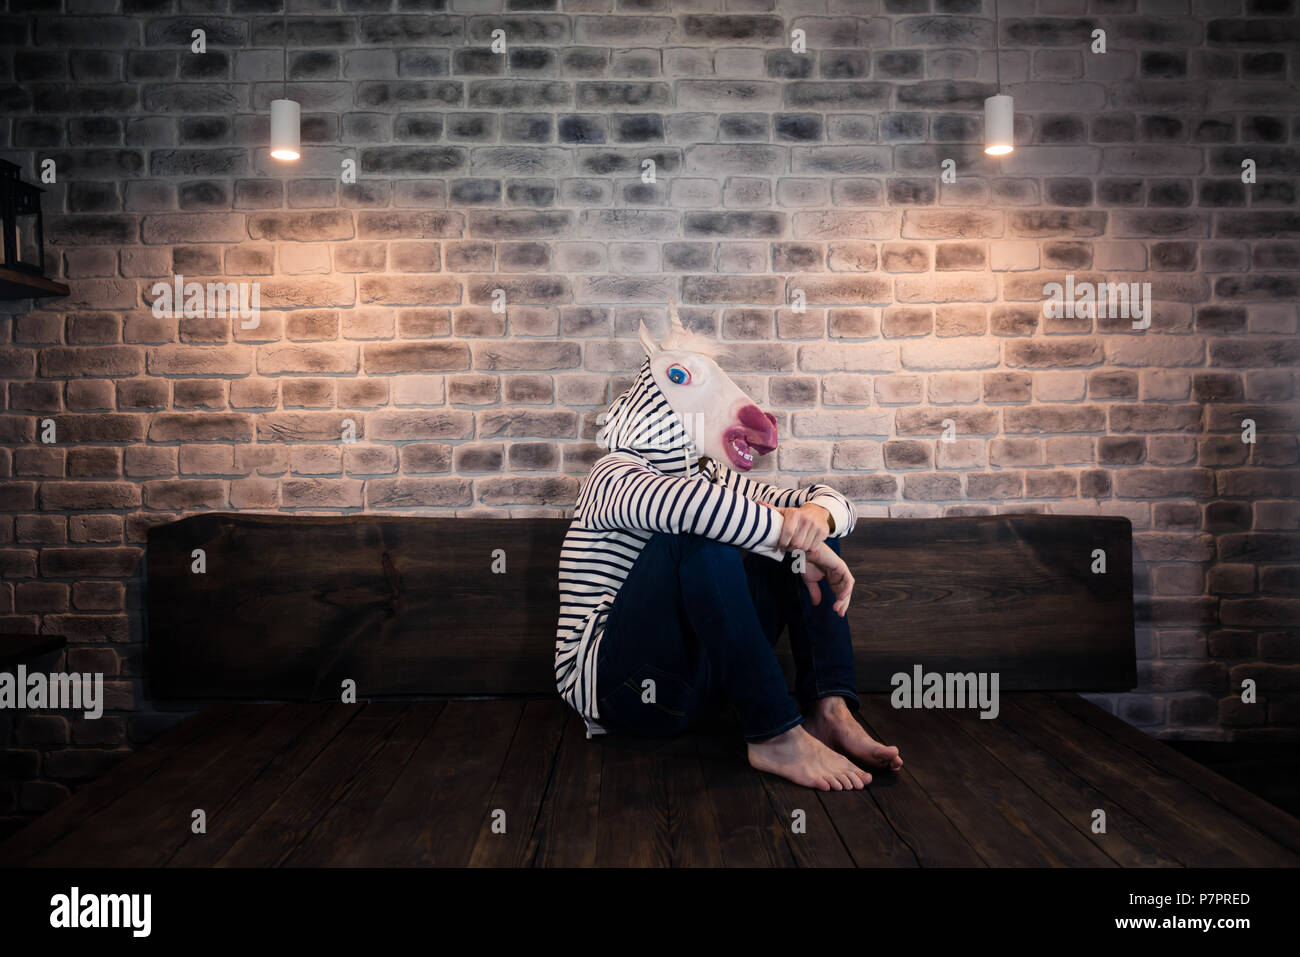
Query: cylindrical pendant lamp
[[286, 115], [999, 125], [999, 109], [286, 130]]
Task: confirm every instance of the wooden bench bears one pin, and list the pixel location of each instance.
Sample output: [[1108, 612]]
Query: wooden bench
[[458, 729]]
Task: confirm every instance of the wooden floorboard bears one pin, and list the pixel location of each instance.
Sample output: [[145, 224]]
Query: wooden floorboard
[[433, 814], [1125, 783], [921, 826], [1006, 822], [271, 763], [131, 772], [749, 831], [129, 831], [1255, 811], [813, 839], [1127, 840], [566, 830], [335, 834], [1205, 835], [169, 829], [417, 783], [654, 808], [521, 786], [693, 832], [316, 788], [869, 837], [631, 829]]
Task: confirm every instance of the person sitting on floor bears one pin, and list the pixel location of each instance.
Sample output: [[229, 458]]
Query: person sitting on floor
[[678, 574]]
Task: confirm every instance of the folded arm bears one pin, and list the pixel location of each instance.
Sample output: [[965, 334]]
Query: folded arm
[[623, 493], [840, 508]]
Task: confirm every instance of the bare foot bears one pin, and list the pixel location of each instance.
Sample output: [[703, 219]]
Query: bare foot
[[799, 757], [833, 724]]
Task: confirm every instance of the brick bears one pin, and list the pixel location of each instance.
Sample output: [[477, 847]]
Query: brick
[[1054, 419], [615, 96], [1053, 353], [930, 420], [934, 224], [413, 492], [908, 455], [560, 490], [73, 562], [948, 388], [931, 487], [905, 257], [904, 321], [92, 362], [956, 287], [938, 354], [407, 290], [855, 95], [725, 95], [89, 496], [846, 290], [199, 360], [528, 424], [207, 427], [872, 357]]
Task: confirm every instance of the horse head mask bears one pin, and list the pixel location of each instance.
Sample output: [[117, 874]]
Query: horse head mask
[[684, 404]]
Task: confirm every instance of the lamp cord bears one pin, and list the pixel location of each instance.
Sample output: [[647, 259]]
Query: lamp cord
[[997, 43], [285, 37]]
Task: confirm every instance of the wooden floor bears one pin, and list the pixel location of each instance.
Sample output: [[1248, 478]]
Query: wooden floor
[[422, 783]]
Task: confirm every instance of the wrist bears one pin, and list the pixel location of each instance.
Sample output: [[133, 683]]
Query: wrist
[[825, 514]]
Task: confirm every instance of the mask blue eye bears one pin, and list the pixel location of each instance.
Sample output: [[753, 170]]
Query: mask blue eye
[[678, 375]]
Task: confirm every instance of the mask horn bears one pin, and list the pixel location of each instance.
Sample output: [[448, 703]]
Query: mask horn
[[674, 319], [647, 340]]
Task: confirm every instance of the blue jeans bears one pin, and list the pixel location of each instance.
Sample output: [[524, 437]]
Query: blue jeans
[[695, 625]]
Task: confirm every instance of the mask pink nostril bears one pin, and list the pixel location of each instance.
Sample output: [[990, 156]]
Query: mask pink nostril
[[762, 426]]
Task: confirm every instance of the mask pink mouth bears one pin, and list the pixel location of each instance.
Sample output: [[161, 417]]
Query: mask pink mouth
[[743, 447]]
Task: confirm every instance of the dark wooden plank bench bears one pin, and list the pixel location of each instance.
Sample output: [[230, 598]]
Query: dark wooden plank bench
[[459, 752]]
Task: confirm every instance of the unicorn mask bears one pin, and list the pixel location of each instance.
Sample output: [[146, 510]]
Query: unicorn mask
[[683, 406]]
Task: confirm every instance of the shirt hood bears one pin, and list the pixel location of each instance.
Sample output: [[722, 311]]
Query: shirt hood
[[641, 421]]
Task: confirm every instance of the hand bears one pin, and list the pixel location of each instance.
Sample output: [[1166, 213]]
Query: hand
[[820, 562], [802, 527]]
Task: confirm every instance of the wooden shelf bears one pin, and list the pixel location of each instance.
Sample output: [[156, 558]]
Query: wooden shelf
[[18, 284]]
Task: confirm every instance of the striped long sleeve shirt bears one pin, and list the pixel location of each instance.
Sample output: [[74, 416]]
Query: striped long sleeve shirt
[[632, 493]]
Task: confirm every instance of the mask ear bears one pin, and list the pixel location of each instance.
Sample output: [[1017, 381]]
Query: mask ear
[[647, 341]]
